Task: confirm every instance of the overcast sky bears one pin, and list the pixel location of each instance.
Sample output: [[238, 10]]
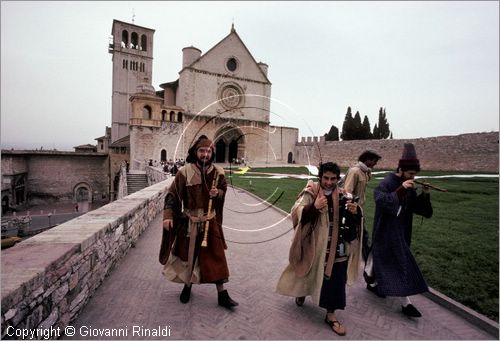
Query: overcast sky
[[434, 66]]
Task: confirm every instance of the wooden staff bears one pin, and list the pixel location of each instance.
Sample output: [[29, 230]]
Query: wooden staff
[[430, 186], [204, 243]]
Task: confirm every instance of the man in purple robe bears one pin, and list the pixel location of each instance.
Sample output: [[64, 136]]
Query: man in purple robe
[[391, 269]]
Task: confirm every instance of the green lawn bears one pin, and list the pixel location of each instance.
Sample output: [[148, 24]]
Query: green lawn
[[457, 249]]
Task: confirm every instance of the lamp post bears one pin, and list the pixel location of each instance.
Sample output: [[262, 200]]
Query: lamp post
[[49, 215]]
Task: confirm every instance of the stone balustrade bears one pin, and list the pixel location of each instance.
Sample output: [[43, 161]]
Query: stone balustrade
[[156, 175], [47, 279]]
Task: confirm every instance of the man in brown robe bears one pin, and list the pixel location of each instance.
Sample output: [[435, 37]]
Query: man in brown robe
[[193, 242]]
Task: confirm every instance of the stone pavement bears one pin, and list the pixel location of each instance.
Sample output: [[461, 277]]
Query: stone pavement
[[136, 296]]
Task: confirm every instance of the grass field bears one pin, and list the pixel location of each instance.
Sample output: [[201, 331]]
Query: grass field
[[457, 249]]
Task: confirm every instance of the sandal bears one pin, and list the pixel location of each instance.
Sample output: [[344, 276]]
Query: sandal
[[336, 326], [300, 301]]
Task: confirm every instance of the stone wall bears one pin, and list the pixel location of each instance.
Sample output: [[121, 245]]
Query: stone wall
[[282, 141], [477, 152], [148, 142], [47, 279], [53, 175]]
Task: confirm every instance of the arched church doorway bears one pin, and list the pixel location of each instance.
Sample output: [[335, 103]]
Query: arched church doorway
[[233, 151], [290, 157], [220, 151], [230, 144], [163, 155]]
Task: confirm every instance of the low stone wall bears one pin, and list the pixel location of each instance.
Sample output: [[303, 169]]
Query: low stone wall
[[47, 279], [476, 152]]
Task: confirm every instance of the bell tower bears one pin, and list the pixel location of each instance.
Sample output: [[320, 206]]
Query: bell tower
[[132, 50]]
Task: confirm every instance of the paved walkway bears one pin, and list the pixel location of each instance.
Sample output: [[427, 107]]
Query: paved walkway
[[136, 295]]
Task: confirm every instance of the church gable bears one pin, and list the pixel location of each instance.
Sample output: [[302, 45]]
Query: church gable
[[231, 57]]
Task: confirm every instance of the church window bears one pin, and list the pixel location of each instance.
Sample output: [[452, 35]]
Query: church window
[[124, 64], [124, 37], [179, 117], [231, 95], [172, 116], [146, 112], [144, 41], [232, 64], [135, 40]]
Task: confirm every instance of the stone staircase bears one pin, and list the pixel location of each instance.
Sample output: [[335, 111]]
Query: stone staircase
[[136, 182]]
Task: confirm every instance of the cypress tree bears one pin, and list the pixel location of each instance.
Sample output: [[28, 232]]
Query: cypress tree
[[376, 134], [357, 127], [383, 125], [347, 130], [367, 134], [333, 134]]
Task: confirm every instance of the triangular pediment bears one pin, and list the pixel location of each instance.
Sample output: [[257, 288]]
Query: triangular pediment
[[216, 60]]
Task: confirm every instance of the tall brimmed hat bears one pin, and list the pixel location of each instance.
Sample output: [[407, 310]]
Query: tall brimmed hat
[[409, 159]]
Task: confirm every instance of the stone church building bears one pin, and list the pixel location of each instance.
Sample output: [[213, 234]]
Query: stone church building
[[223, 93]]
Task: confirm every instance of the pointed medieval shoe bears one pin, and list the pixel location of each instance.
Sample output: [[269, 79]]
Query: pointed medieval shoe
[[374, 289], [300, 300], [410, 311], [185, 294], [226, 301], [336, 326]]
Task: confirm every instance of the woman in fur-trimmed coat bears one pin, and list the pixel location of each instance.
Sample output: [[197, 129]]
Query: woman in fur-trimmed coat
[[323, 256]]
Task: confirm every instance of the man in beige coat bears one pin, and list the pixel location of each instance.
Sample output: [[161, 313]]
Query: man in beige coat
[[325, 250], [356, 180]]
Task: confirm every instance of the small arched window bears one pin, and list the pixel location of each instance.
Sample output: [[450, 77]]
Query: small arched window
[[163, 115], [135, 40], [146, 112], [179, 117], [125, 37], [144, 42], [172, 116]]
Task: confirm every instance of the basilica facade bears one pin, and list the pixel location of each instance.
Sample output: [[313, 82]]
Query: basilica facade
[[223, 93]]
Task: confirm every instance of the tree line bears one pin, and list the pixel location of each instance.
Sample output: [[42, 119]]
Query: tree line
[[354, 129]]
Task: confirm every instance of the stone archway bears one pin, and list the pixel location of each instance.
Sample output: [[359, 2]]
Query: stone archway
[[82, 192], [230, 144]]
